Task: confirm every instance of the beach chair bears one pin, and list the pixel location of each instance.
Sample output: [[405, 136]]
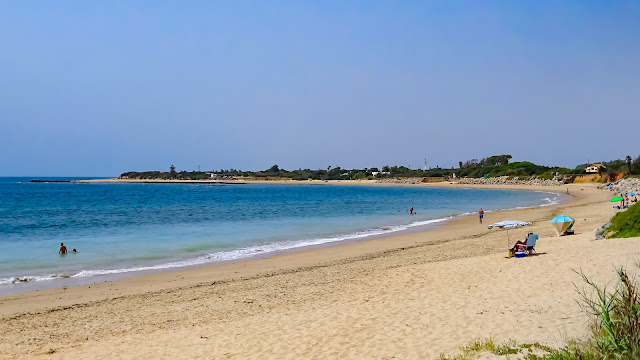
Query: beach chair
[[569, 230], [529, 248]]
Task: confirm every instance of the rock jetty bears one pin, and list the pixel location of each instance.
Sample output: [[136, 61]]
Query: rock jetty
[[400, 181], [624, 186], [506, 180], [501, 180]]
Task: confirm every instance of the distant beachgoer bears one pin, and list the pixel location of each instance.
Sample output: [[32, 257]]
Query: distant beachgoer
[[411, 211], [63, 249], [75, 251], [567, 191], [481, 215]]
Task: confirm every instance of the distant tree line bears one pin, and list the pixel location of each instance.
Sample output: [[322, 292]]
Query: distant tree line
[[497, 165]]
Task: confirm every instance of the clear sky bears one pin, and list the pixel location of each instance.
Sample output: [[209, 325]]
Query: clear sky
[[97, 88]]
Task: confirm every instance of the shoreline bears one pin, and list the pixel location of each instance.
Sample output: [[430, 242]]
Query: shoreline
[[453, 247], [418, 230], [30, 283], [117, 277]]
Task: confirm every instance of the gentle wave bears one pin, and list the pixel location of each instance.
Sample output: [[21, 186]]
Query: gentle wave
[[230, 255]]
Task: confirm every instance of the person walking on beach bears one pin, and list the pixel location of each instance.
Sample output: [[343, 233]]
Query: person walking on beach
[[63, 249], [481, 215]]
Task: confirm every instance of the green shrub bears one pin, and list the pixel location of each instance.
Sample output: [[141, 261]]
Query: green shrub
[[626, 223]]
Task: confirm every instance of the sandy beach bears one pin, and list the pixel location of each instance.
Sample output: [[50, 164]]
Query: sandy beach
[[407, 296]]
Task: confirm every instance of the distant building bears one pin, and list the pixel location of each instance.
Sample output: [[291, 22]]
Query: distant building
[[214, 175], [593, 168]]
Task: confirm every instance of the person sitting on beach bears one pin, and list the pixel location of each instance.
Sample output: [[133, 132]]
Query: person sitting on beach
[[520, 245], [63, 249]]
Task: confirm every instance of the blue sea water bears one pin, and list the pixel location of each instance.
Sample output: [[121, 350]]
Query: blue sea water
[[125, 228]]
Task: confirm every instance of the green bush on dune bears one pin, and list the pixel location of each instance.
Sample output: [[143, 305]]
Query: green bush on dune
[[626, 223]]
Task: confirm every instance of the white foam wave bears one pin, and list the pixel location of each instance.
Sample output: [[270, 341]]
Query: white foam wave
[[26, 279], [229, 255], [248, 252]]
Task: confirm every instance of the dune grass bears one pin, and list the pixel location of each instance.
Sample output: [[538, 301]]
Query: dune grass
[[510, 347]]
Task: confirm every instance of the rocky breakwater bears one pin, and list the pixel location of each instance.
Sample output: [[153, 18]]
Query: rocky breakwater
[[624, 186], [506, 180], [399, 181]]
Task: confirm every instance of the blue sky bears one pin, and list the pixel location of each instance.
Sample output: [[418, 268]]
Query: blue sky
[[99, 88]]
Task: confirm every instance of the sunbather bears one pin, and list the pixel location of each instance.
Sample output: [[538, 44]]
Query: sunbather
[[519, 245]]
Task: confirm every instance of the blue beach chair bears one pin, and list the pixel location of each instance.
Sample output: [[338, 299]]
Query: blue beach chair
[[530, 246]]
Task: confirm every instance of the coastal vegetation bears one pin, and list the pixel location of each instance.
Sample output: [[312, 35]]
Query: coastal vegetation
[[626, 224], [492, 166]]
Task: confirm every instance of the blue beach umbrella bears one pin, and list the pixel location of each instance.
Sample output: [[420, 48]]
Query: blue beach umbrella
[[561, 223], [561, 219], [631, 194]]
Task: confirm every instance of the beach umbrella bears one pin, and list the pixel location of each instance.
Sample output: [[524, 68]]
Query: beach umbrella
[[631, 194], [561, 223], [507, 225], [617, 198]]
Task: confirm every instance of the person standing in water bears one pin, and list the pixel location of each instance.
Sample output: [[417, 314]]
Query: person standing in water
[[411, 211], [481, 215], [63, 249]]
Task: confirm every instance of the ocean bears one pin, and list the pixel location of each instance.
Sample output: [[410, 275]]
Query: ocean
[[123, 229]]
